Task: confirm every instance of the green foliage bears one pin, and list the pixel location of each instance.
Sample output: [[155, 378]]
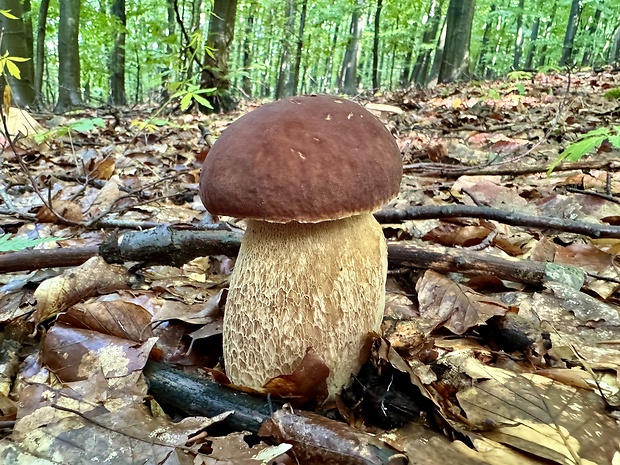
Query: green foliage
[[82, 125], [14, 244], [193, 93], [613, 94], [8, 14], [520, 76], [8, 62], [586, 143]]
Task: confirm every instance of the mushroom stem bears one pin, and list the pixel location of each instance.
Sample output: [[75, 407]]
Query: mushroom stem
[[301, 285]]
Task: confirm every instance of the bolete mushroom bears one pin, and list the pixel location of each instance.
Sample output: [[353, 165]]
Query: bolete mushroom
[[306, 172]]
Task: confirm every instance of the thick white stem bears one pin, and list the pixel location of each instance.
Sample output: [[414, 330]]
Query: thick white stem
[[295, 286]]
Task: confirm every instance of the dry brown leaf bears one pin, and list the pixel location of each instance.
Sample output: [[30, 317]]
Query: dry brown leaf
[[93, 277], [453, 306], [65, 208], [65, 428], [75, 354], [115, 318], [542, 417]]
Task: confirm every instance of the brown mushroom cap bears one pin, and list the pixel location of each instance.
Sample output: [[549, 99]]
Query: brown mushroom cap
[[305, 159]]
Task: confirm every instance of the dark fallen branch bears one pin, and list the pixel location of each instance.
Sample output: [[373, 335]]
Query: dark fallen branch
[[316, 439], [455, 171], [390, 215], [170, 246]]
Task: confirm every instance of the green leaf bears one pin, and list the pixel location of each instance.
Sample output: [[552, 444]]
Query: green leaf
[[203, 101], [13, 69], [15, 244], [87, 124], [576, 150], [186, 101], [615, 141], [7, 14]]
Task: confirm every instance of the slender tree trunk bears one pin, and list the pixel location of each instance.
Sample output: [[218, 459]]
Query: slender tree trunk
[[348, 74], [614, 51], [423, 61], [441, 43], [285, 75], [375, 47], [215, 69], [329, 61], [300, 45], [533, 38], [455, 62], [571, 32], [15, 44], [591, 31], [39, 62], [547, 35], [117, 60], [69, 94], [246, 81], [484, 49], [519, 42]]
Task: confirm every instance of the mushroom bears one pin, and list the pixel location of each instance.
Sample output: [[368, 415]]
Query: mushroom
[[306, 172]]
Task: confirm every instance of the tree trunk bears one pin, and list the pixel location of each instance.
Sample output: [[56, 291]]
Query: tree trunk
[[571, 32], [246, 81], [455, 62], [484, 49], [215, 69], [300, 46], [329, 61], [15, 44], [69, 95], [375, 47], [284, 86], [117, 59], [548, 30], [519, 42], [614, 51], [529, 61], [423, 61], [348, 74], [441, 43], [39, 62], [591, 31]]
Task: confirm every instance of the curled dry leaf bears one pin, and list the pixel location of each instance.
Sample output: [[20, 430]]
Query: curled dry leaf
[[454, 306], [75, 354], [93, 277], [65, 208], [115, 317], [540, 416], [306, 384]]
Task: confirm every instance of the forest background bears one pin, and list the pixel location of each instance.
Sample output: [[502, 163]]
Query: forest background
[[72, 53]]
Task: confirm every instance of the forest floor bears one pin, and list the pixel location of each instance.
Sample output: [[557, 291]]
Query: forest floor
[[501, 338]]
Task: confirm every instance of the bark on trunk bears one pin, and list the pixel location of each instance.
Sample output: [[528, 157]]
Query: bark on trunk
[[529, 61], [455, 62], [348, 74], [375, 47], [117, 60], [15, 43], [215, 68], [571, 32], [519, 42], [284, 86], [39, 61], [69, 94]]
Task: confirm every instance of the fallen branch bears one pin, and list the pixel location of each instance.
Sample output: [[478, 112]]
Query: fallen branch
[[171, 246], [455, 171], [316, 439], [503, 216]]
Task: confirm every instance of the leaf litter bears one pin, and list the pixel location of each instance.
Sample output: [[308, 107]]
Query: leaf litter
[[511, 371]]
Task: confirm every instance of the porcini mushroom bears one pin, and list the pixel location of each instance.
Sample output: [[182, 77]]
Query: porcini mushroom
[[306, 172]]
